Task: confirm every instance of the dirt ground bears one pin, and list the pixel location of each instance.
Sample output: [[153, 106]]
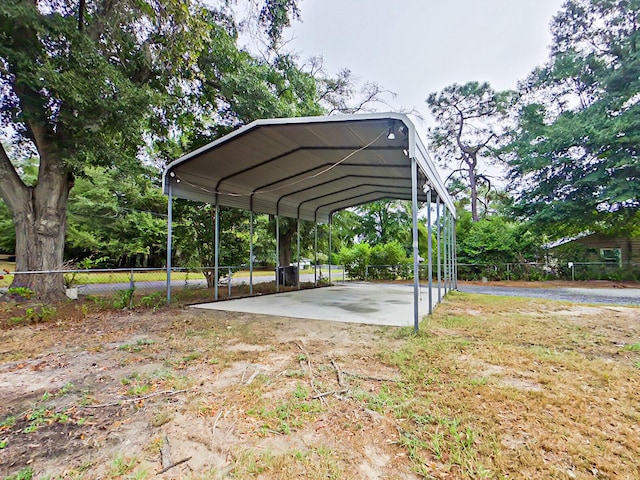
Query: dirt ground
[[491, 388]]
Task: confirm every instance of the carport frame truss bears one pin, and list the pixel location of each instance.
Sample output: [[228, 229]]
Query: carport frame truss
[[310, 167]]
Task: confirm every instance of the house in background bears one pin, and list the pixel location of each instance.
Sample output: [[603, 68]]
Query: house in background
[[598, 247]]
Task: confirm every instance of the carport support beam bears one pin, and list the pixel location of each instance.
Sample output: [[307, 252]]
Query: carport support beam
[[455, 256], [169, 240], [298, 252], [277, 254], [438, 245], [250, 250], [445, 253], [452, 250], [330, 218], [416, 264], [315, 254], [216, 250], [430, 255]]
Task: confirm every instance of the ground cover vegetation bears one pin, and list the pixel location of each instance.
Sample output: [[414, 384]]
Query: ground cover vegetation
[[492, 387], [80, 164]]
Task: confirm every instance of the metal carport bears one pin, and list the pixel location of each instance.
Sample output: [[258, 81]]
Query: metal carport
[[310, 167]]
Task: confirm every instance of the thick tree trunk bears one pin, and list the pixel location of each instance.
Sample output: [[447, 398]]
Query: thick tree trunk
[[284, 245], [39, 216], [40, 248]]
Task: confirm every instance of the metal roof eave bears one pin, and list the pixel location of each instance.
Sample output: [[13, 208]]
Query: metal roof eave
[[414, 149]]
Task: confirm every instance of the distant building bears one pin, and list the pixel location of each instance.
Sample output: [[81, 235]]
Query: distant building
[[601, 247]]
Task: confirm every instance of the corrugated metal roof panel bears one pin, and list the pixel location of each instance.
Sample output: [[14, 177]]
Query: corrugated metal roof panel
[[307, 167]]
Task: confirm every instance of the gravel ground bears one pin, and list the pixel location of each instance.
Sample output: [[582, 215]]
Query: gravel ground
[[617, 296]]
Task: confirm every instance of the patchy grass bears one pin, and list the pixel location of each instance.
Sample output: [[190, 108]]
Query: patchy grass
[[490, 387]]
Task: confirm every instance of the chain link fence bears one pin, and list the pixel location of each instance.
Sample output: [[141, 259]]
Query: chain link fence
[[234, 280], [121, 283], [533, 271]]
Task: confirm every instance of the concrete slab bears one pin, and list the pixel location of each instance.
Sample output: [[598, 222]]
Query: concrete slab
[[373, 304]]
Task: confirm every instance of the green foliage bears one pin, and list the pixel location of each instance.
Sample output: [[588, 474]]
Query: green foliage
[[392, 259], [124, 298], [8, 422], [7, 230], [573, 159], [384, 221], [385, 257], [153, 300], [23, 292], [137, 347], [194, 234], [122, 465], [119, 215], [494, 239], [355, 260], [485, 246], [471, 120], [24, 474]]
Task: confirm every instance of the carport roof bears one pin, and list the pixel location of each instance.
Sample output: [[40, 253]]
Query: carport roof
[[308, 167]]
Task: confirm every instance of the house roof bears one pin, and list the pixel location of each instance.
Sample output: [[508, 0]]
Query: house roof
[[564, 241], [309, 167]]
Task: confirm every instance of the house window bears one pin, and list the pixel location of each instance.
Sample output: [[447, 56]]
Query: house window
[[611, 255]]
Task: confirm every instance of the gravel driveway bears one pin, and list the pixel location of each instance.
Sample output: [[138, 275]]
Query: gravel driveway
[[618, 296]]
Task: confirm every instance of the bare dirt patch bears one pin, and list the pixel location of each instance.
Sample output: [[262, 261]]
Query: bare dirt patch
[[490, 387]]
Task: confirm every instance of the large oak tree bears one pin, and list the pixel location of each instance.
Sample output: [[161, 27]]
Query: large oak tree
[[92, 82]]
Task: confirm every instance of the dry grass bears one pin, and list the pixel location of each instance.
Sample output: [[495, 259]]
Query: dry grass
[[492, 387], [548, 388]]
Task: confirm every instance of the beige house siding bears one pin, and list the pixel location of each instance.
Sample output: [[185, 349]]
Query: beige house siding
[[629, 247]]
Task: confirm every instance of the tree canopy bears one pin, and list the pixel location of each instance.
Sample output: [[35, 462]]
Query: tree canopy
[[573, 158], [95, 87], [470, 121]]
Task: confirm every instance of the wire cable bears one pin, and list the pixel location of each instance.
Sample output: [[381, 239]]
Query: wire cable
[[287, 185]]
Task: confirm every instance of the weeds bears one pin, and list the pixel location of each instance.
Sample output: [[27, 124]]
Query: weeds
[[191, 357], [124, 299], [633, 347], [314, 464], [154, 300], [7, 423], [35, 314], [24, 474], [136, 347], [286, 416], [122, 465], [21, 292]]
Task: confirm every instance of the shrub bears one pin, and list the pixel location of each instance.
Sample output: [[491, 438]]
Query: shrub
[[355, 260]]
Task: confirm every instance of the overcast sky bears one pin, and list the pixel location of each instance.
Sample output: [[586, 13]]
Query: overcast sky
[[415, 47]]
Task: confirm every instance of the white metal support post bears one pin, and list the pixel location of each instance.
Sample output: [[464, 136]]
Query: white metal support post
[[455, 244], [217, 250], [298, 233], [250, 250], [277, 254], [169, 239], [438, 244], [315, 253], [445, 249], [452, 249], [430, 255], [416, 263], [330, 217]]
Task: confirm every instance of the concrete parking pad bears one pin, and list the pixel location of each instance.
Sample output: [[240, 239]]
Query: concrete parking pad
[[373, 304]]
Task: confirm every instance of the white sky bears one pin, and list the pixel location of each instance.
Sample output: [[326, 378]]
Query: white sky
[[415, 47]]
